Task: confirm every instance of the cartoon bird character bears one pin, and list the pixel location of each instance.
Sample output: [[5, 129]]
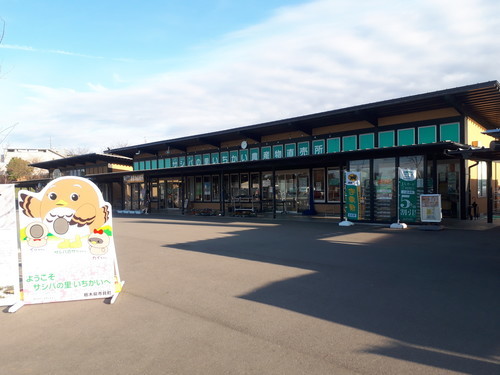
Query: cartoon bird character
[[36, 234], [98, 242], [70, 208]]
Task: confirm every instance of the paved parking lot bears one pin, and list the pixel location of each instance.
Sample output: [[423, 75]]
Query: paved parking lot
[[208, 295]]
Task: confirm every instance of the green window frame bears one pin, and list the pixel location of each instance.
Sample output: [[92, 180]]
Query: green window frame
[[277, 151], [349, 143], [136, 165], [233, 156], [141, 165], [147, 164], [224, 157], [333, 145], [318, 146], [243, 155], [386, 139], [449, 132], [175, 162], [254, 154], [168, 163], [406, 137], [215, 158], [154, 164], [182, 161], [190, 160], [198, 159], [161, 163], [266, 153], [366, 141], [304, 148], [290, 150], [206, 159], [427, 134]]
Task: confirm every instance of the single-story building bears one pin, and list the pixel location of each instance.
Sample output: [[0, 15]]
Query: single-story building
[[298, 165]]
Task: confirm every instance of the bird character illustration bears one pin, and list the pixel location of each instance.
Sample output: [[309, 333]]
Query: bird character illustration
[[36, 234], [70, 207], [98, 242]]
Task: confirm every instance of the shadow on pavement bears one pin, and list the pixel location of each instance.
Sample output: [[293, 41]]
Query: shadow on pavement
[[434, 293]]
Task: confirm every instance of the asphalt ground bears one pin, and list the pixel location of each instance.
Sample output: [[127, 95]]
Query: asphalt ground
[[210, 295]]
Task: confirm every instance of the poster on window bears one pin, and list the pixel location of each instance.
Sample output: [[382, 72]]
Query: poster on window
[[430, 208], [407, 194], [352, 187], [67, 244], [9, 258]]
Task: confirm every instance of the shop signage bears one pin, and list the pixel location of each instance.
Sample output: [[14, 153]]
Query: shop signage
[[407, 194], [430, 208], [67, 247], [133, 179], [9, 262], [352, 187]]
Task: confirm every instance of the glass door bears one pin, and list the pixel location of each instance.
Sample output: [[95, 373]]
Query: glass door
[[173, 198]]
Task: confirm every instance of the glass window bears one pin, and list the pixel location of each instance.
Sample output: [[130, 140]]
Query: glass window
[[386, 139], [267, 187], [319, 185], [207, 188], [255, 186], [198, 188], [363, 167], [334, 188], [349, 143], [427, 134], [235, 185], [333, 145], [226, 187], [450, 132], [277, 151], [244, 185], [366, 141], [215, 188], [384, 175], [318, 147], [290, 150], [406, 137], [481, 179]]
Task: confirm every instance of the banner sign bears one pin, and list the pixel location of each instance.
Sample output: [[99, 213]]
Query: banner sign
[[430, 208], [352, 186], [407, 194], [9, 258], [67, 245]]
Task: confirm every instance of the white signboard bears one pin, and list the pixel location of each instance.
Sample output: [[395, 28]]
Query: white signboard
[[9, 258], [430, 208], [67, 245]]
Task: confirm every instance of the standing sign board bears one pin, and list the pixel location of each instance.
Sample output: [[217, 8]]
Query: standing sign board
[[430, 208], [407, 194], [9, 258], [67, 245], [352, 186]]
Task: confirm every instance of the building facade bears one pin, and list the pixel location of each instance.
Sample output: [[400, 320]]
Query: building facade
[[298, 165]]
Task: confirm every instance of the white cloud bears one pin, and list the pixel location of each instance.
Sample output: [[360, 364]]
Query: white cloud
[[318, 56]]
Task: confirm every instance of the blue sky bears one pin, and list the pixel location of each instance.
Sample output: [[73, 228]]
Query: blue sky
[[100, 74]]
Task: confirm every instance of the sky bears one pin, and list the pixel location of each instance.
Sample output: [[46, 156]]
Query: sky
[[97, 74]]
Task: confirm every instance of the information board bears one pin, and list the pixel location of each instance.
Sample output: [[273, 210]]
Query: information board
[[67, 246], [9, 255], [430, 208], [352, 186]]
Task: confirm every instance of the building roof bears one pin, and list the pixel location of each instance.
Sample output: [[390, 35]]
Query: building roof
[[479, 101], [82, 160]]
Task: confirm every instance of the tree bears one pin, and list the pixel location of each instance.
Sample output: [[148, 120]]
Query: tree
[[18, 170]]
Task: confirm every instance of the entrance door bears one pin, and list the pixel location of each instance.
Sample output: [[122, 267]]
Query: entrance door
[[292, 191], [172, 193]]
